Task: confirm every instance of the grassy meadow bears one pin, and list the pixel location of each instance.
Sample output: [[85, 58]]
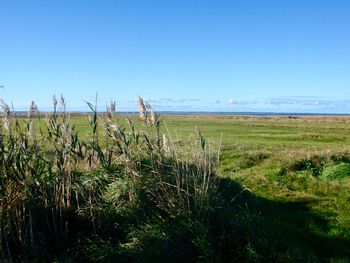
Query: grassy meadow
[[185, 188], [297, 172]]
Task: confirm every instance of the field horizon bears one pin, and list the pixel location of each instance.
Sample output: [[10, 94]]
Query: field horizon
[[211, 113]]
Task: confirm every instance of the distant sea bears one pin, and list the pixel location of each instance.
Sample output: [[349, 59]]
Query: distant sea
[[205, 113], [293, 114]]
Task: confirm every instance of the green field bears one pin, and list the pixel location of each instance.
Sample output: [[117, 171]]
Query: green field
[[299, 209], [280, 191]]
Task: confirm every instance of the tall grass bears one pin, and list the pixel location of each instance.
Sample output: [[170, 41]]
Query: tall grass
[[57, 188]]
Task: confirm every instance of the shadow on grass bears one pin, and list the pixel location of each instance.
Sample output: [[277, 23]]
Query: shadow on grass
[[240, 226], [280, 231]]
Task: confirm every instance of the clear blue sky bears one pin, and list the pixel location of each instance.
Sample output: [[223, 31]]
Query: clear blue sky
[[238, 55]]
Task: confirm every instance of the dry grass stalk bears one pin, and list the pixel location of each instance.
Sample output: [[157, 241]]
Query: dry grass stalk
[[31, 130]]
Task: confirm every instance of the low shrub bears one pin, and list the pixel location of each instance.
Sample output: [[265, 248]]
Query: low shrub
[[313, 164]]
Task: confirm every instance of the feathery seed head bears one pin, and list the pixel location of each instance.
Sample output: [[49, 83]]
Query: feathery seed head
[[54, 102], [33, 109], [6, 113], [5, 108], [154, 117], [147, 105], [142, 108], [112, 107], [62, 103], [111, 110], [166, 144]]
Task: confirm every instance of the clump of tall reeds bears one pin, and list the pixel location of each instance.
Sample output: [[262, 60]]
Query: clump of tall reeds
[[51, 178]]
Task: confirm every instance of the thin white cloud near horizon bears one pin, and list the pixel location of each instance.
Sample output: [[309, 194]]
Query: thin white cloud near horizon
[[297, 104]]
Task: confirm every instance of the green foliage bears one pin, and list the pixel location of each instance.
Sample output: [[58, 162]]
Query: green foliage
[[336, 172], [314, 165]]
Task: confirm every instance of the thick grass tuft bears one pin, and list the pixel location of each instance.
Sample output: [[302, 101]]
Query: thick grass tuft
[[336, 172]]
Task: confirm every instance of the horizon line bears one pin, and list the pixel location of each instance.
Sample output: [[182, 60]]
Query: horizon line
[[193, 113]]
